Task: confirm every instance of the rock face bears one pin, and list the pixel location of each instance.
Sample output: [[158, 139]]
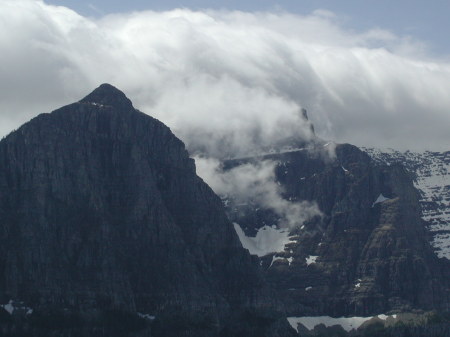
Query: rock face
[[367, 254], [101, 209], [430, 172]]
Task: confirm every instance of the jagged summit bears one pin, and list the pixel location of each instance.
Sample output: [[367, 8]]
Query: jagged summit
[[108, 95]]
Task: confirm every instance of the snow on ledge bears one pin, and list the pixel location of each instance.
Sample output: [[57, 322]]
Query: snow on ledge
[[19, 306], [267, 240], [275, 258], [146, 316], [381, 198], [311, 259]]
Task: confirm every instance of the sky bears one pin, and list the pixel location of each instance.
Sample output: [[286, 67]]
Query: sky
[[426, 20], [231, 76]]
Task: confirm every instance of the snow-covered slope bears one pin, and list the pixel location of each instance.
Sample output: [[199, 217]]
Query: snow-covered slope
[[431, 171]]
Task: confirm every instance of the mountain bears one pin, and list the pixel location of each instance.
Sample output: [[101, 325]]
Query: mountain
[[366, 253], [106, 230], [430, 172]]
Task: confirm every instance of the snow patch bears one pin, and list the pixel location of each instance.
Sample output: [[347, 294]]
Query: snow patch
[[275, 258], [146, 316], [267, 240], [347, 323], [13, 306], [442, 243], [381, 198], [311, 259], [96, 104], [9, 307]]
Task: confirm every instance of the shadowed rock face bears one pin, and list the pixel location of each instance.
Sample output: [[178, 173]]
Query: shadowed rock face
[[101, 208], [372, 255]]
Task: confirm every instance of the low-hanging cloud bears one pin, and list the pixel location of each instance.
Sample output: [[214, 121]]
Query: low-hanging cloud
[[255, 182], [228, 81]]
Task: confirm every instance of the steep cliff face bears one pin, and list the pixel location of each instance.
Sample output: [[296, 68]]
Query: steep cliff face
[[368, 252], [431, 176], [101, 209]]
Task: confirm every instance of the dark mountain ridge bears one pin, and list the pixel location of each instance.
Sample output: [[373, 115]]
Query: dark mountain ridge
[[106, 230], [101, 210]]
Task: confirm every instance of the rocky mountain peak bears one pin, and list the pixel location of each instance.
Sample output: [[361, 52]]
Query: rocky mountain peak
[[101, 212], [108, 95]]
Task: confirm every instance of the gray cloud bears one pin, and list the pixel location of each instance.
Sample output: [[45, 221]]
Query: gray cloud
[[256, 182], [228, 79]]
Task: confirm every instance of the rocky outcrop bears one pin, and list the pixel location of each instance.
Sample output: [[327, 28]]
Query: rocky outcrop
[[367, 254], [101, 211]]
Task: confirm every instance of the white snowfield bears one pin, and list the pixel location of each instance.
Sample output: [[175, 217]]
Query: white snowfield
[[267, 240], [347, 323], [432, 179]]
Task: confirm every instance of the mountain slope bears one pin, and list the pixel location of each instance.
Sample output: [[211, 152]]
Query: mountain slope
[[366, 254], [431, 176], [101, 209]]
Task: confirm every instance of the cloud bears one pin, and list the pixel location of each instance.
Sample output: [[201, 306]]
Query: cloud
[[226, 82], [256, 183]]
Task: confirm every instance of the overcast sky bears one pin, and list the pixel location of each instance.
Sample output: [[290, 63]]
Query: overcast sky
[[374, 75], [424, 19]]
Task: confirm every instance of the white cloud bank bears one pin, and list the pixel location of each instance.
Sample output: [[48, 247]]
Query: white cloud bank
[[228, 79], [256, 183]]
